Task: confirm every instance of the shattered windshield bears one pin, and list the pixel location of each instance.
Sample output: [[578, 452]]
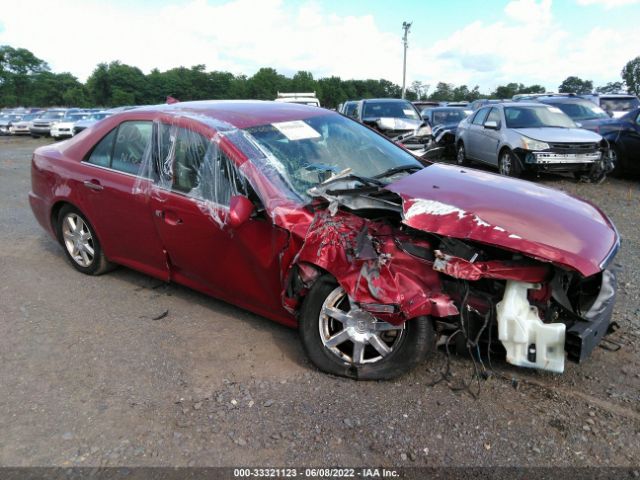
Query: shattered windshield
[[308, 152]]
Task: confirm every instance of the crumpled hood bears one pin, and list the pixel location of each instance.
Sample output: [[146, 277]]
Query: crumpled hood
[[514, 214], [559, 135], [392, 123]]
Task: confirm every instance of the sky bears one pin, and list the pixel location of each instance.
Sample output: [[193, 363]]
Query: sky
[[485, 43]]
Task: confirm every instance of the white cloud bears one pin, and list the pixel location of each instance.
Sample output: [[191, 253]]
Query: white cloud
[[239, 36], [609, 4], [527, 45]]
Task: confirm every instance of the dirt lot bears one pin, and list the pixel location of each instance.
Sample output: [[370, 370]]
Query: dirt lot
[[88, 377]]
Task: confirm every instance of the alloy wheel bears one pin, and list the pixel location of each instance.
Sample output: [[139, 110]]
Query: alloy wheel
[[505, 164], [355, 335], [78, 239], [460, 158]]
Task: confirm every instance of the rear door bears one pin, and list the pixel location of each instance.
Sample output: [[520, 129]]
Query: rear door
[[190, 206], [110, 180]]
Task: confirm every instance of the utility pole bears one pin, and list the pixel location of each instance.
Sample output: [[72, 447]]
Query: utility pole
[[405, 26]]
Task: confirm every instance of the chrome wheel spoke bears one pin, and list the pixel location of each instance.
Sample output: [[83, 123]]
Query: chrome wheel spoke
[[336, 314], [377, 343], [71, 225], [337, 339], [88, 248], [85, 257], [358, 352]]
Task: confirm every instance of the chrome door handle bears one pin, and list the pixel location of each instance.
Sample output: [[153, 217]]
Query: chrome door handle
[[93, 185]]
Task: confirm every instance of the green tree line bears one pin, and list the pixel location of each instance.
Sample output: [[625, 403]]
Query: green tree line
[[26, 80]]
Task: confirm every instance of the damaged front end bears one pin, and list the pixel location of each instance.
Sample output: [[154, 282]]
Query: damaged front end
[[589, 162], [540, 311], [414, 135], [399, 255]]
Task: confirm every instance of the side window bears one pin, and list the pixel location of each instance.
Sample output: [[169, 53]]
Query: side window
[[638, 119], [479, 117], [132, 140], [494, 116], [190, 150], [101, 154], [351, 110], [195, 166]]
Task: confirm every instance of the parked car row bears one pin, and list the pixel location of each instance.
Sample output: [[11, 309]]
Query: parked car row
[[613, 118], [58, 123]]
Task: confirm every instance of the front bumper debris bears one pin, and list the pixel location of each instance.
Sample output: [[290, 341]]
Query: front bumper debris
[[544, 158]]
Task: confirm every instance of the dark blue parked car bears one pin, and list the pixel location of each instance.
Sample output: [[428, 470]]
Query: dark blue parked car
[[623, 135]]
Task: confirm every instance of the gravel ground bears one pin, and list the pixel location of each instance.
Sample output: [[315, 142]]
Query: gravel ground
[[89, 378]]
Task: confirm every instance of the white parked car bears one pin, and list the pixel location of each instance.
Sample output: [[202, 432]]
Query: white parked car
[[64, 128], [301, 98]]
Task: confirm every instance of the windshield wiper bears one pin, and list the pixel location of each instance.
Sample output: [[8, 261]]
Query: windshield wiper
[[402, 168]]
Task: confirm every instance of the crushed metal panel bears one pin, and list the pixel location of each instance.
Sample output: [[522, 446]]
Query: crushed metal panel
[[516, 215]]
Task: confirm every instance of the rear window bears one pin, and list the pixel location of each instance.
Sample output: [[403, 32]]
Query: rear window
[[582, 110], [622, 104], [449, 116], [390, 109]]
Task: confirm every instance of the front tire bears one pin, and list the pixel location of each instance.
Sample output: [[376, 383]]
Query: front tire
[[342, 339], [80, 242], [509, 164]]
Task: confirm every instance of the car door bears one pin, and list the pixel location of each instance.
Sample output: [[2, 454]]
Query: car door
[[489, 139], [473, 138], [109, 178], [633, 147], [240, 265]]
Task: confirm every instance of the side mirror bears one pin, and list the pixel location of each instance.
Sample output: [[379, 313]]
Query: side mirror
[[491, 124], [240, 209]]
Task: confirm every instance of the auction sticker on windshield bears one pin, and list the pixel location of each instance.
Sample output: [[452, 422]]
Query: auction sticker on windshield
[[296, 130]]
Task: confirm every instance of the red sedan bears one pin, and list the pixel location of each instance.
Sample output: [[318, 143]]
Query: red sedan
[[310, 219]]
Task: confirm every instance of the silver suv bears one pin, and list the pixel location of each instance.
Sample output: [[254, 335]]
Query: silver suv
[[520, 137]]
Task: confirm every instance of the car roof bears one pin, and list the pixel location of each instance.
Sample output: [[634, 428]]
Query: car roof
[[239, 113], [514, 104], [386, 100]]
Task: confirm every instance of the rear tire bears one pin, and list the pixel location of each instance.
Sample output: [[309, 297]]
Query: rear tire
[[80, 242], [461, 155], [615, 156], [395, 351]]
